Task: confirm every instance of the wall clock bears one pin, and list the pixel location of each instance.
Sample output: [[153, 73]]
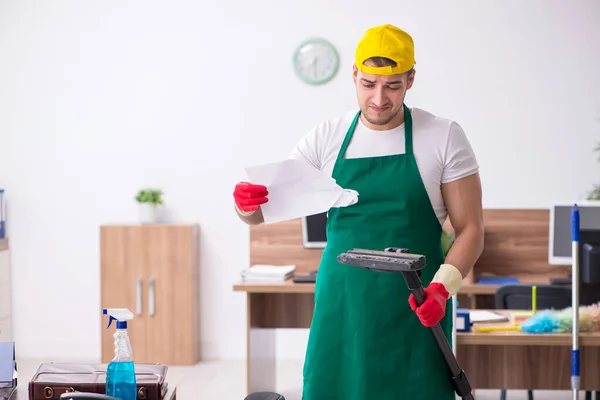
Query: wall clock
[[315, 61]]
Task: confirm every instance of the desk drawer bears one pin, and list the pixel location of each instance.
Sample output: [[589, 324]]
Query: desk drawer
[[4, 267], [5, 303], [6, 330]]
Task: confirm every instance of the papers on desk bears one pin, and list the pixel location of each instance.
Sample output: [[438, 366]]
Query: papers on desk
[[296, 189], [518, 317], [268, 273], [486, 316]]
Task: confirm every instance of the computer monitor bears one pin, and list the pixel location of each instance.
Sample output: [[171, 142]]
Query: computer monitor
[[560, 240], [314, 231], [561, 245]]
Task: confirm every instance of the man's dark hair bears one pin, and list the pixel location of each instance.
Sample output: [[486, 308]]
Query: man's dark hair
[[385, 62], [382, 62]]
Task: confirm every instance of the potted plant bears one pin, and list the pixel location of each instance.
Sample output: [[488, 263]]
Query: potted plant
[[594, 194], [149, 200]]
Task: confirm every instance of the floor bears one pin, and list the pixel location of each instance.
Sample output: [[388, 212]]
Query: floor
[[226, 380]]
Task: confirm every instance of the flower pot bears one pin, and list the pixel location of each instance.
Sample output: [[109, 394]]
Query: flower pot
[[148, 213]]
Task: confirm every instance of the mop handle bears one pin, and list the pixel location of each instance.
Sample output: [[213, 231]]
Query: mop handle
[[461, 384], [575, 377]]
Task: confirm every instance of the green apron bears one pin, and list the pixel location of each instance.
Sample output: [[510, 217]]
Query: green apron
[[365, 342]]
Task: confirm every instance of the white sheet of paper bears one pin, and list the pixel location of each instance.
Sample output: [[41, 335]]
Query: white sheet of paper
[[296, 189], [486, 316]]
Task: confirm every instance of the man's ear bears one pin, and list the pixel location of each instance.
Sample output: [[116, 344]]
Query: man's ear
[[411, 79], [354, 73]]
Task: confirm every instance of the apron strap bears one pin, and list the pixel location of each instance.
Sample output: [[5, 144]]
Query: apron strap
[[408, 142], [342, 151]]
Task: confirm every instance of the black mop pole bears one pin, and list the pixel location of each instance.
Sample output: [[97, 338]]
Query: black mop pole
[[399, 260], [459, 378]]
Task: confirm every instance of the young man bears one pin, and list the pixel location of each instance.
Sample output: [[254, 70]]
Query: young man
[[412, 170]]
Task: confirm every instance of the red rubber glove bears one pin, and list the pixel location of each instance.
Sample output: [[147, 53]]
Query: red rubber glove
[[434, 307], [248, 197]]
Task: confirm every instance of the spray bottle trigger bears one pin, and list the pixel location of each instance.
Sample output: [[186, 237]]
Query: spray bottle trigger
[[110, 320], [118, 314], [110, 317]]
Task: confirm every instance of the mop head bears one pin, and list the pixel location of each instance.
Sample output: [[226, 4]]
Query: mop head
[[561, 321]]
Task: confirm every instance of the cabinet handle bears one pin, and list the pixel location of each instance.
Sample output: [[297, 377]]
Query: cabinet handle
[[151, 296], [138, 296]]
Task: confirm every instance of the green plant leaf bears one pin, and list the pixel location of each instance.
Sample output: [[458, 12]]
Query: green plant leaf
[[594, 194], [150, 196], [597, 149]]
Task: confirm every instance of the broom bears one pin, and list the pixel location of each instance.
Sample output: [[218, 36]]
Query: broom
[[575, 376]]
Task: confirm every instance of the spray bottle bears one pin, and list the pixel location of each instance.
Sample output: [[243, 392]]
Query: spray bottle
[[120, 374]]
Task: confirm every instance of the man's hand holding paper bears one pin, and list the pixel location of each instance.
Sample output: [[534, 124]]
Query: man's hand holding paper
[[248, 197], [294, 188]]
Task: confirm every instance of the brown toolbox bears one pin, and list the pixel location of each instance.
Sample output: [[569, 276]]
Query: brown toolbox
[[53, 379]]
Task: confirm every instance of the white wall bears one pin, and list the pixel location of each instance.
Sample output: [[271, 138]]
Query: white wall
[[100, 99]]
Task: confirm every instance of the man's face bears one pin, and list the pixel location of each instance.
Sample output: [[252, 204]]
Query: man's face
[[380, 98]]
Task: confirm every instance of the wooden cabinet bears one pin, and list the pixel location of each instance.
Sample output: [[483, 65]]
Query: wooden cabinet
[[153, 270], [5, 293]]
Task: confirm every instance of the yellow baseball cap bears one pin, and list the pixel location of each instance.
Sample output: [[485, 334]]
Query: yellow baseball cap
[[386, 41]]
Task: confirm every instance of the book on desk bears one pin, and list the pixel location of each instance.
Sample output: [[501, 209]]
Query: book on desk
[[311, 277], [268, 273], [277, 273]]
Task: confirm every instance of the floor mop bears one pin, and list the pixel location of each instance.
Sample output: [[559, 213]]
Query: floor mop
[[410, 265], [575, 377]]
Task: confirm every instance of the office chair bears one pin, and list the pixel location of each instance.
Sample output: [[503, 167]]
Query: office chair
[[518, 297]]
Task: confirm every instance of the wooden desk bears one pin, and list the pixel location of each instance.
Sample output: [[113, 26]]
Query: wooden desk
[[517, 360], [290, 287], [470, 295], [271, 306], [497, 360]]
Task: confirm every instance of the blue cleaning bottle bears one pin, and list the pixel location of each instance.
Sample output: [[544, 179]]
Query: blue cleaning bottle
[[120, 373]]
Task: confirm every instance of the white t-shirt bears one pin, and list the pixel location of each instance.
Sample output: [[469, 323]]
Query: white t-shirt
[[440, 146]]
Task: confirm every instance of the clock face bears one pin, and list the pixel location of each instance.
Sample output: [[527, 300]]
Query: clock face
[[316, 61]]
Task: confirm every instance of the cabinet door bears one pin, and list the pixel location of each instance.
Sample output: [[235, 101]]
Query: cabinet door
[[123, 257], [172, 315]]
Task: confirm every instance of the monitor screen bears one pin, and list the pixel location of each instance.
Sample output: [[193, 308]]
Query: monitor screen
[[560, 241], [314, 231]]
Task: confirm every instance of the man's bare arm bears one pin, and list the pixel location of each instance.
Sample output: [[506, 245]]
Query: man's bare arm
[[463, 200], [464, 205], [254, 218]]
